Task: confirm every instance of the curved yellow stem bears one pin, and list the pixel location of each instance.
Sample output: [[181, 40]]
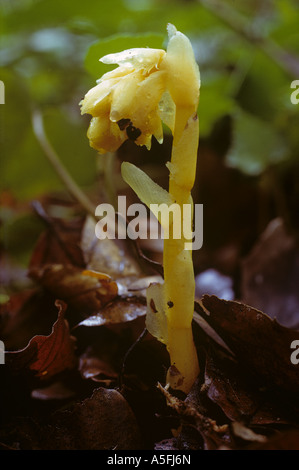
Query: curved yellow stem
[[179, 281]]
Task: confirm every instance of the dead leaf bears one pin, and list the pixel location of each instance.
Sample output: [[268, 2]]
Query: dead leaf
[[21, 319], [104, 421], [118, 311], [228, 384], [60, 243], [258, 342], [46, 356], [99, 370], [270, 275], [167, 444], [54, 391], [14, 319], [83, 291], [107, 256], [246, 434], [287, 440]]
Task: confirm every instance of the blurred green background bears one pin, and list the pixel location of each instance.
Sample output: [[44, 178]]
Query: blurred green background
[[248, 53]]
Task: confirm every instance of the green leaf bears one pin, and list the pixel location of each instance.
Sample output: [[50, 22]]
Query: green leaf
[[19, 234], [214, 103], [27, 15], [256, 145], [286, 29], [118, 43], [265, 90]]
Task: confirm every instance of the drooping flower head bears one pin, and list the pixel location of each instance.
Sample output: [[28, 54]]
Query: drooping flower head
[[131, 101]]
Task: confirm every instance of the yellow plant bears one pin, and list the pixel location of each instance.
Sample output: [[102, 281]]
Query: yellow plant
[[150, 86]]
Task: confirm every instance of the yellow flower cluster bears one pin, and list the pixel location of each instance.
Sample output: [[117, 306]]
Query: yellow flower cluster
[[131, 101]]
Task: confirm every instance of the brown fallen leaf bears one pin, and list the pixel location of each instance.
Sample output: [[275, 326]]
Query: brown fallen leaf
[[167, 444], [97, 369], [249, 398], [46, 356], [258, 342], [228, 384], [21, 319], [108, 256], [286, 440], [270, 275], [120, 310], [59, 243], [246, 434], [85, 292], [104, 421], [53, 391]]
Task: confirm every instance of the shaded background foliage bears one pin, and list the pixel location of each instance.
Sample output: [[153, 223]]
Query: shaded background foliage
[[49, 59], [247, 57], [248, 167]]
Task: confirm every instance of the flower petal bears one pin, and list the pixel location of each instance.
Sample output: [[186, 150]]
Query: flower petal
[[137, 57], [145, 139], [167, 110], [104, 135], [135, 100], [96, 100], [144, 110], [124, 96], [182, 70], [118, 72]]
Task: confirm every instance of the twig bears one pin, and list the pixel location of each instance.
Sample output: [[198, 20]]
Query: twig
[[61, 171], [287, 61], [187, 410], [139, 339]]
